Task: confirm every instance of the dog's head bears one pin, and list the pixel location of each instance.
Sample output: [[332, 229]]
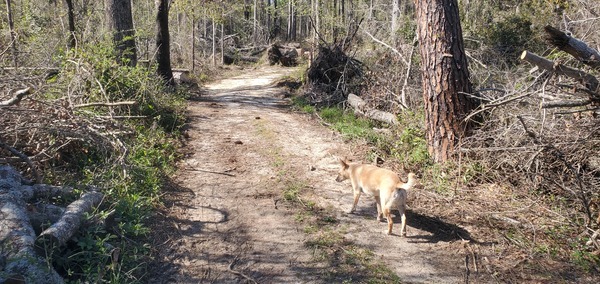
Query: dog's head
[[344, 172]]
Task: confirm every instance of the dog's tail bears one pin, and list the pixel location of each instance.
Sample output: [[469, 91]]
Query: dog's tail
[[398, 199], [412, 180]]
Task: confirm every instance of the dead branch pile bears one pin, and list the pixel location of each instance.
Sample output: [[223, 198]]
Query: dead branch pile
[[234, 55], [286, 56], [37, 132], [393, 83], [332, 76], [541, 144], [24, 254]]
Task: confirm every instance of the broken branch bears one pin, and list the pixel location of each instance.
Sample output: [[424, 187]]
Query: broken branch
[[105, 104], [590, 82], [23, 157], [60, 232], [577, 48], [19, 95], [360, 106]]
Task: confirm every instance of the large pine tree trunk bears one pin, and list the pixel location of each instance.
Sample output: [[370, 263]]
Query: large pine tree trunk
[[445, 76], [163, 52], [120, 21]]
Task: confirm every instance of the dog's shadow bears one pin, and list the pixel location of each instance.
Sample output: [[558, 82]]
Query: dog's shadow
[[431, 229], [438, 230]]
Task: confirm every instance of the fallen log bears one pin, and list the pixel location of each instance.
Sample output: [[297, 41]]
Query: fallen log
[[590, 82], [60, 232], [575, 47], [20, 256], [286, 56], [17, 235], [360, 107], [229, 59], [19, 95]]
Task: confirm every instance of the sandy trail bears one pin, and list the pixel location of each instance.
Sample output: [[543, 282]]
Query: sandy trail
[[233, 227]]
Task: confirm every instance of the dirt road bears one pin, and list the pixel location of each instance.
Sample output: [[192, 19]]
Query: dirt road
[[230, 219]]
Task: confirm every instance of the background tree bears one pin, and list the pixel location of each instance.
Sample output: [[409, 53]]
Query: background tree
[[445, 76], [72, 40], [13, 35], [119, 20], [163, 48]]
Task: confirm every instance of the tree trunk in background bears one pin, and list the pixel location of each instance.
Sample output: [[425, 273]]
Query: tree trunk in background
[[222, 43], [163, 50], [445, 76], [214, 43], [13, 35], [255, 24], [193, 43], [316, 28], [71, 19], [276, 22], [291, 31], [247, 10], [395, 20], [120, 21]]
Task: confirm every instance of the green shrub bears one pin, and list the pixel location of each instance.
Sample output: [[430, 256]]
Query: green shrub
[[410, 145], [510, 35], [130, 167]]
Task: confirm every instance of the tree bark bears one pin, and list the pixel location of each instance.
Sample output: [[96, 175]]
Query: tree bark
[[120, 21], [13, 34], [445, 76], [71, 19], [163, 52]]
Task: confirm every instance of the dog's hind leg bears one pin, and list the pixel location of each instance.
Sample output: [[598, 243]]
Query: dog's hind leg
[[379, 212], [402, 210], [388, 214], [356, 197]]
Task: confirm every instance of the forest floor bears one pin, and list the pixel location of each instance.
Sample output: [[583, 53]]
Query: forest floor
[[227, 218]]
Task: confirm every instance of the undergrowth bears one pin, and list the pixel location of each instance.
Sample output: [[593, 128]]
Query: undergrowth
[[129, 164]]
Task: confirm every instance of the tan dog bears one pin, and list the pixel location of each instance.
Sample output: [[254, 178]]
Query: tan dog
[[389, 191]]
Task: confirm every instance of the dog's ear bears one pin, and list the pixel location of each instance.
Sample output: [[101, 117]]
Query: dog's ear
[[344, 162]]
